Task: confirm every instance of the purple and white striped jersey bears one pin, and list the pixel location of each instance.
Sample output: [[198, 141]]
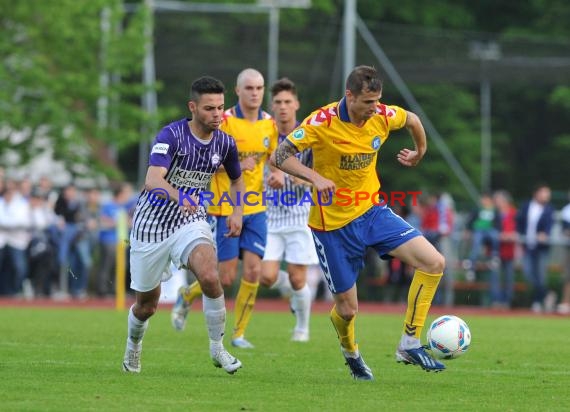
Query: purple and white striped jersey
[[284, 213], [191, 165]]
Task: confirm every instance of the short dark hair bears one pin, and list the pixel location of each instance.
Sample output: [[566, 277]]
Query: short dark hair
[[363, 78], [206, 85], [283, 85], [539, 185]]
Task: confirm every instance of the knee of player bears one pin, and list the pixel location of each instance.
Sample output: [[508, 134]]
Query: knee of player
[[252, 273], [147, 310], [226, 281], [347, 312], [437, 264], [267, 280], [297, 282], [209, 277]]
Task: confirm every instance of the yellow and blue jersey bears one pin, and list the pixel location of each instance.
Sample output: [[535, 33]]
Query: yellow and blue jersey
[[253, 139], [345, 154]]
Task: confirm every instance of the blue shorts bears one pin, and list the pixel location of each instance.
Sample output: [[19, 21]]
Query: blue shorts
[[341, 251], [253, 236]]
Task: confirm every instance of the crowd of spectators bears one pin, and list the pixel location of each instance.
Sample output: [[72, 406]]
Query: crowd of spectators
[[486, 246], [50, 239]]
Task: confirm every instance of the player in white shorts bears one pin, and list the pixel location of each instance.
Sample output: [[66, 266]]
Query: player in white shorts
[[169, 222], [288, 236]]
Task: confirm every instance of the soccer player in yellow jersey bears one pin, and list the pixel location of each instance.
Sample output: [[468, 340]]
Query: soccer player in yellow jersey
[[345, 137], [255, 134]]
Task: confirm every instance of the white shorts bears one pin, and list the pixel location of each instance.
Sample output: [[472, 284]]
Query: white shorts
[[294, 246], [150, 259]]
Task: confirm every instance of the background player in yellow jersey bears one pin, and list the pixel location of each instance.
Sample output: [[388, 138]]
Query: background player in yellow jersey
[[255, 134], [345, 137]]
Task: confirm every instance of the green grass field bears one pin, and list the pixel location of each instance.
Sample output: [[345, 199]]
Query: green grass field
[[70, 359]]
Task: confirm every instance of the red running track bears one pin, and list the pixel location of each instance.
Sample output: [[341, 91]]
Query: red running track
[[269, 305]]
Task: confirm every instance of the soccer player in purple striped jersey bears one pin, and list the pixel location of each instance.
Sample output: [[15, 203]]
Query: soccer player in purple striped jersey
[[169, 223], [256, 137]]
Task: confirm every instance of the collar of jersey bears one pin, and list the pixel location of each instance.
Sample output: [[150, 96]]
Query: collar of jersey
[[343, 110], [283, 136], [239, 113]]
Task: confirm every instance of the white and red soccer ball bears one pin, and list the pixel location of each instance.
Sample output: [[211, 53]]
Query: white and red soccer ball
[[448, 337]]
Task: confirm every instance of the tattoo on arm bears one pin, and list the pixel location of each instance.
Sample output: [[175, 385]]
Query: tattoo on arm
[[284, 151]]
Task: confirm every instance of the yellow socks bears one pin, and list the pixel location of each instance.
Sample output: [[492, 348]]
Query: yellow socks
[[192, 292], [420, 296], [344, 331], [245, 300]]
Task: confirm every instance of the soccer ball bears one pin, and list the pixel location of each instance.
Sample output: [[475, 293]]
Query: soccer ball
[[448, 337]]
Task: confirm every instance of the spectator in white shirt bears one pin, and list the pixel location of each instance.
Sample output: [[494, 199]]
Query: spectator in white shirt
[[534, 223], [15, 223], [564, 306], [42, 252]]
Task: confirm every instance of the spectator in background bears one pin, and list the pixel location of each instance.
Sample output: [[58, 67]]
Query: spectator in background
[[25, 187], [502, 297], [430, 219], [90, 227], [414, 214], [42, 251], [564, 306], [14, 239], [45, 186], [3, 235], [483, 226], [437, 219], [108, 237], [2, 179], [534, 223], [73, 245], [399, 274], [446, 207]]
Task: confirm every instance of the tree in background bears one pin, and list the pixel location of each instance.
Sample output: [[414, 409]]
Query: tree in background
[[70, 81], [52, 58]]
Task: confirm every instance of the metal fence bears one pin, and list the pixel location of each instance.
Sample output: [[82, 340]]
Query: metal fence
[[189, 45]]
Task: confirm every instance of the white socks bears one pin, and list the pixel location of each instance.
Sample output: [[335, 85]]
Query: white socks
[[409, 342], [136, 329], [215, 313], [301, 305], [300, 300]]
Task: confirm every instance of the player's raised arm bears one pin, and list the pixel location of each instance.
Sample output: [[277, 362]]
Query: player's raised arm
[[409, 157]]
